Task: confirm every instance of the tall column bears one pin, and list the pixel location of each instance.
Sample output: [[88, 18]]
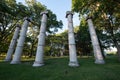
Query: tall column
[[72, 48], [20, 44], [41, 41], [13, 43], [96, 48]]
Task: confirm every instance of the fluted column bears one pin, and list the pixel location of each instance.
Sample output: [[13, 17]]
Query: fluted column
[[72, 47], [13, 43], [20, 44], [96, 48], [41, 41]]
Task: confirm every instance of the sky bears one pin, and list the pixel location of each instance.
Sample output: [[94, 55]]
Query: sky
[[59, 7]]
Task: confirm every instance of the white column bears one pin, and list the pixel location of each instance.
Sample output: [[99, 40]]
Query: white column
[[41, 41], [96, 48], [20, 44], [72, 47], [13, 43]]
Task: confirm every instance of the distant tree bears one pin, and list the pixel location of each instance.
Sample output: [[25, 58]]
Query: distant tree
[[13, 13], [55, 45], [83, 41], [106, 19]]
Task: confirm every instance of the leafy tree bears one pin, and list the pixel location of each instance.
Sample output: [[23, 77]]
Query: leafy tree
[[13, 13], [37, 8], [5, 20], [105, 16], [83, 42], [55, 45]]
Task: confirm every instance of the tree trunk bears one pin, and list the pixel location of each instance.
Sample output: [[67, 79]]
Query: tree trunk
[[118, 49], [102, 50], [31, 50]]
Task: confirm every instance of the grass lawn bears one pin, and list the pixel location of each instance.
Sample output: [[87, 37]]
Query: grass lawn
[[58, 69]]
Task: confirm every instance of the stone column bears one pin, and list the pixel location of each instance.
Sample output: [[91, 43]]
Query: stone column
[[13, 43], [72, 47], [20, 44], [96, 48], [41, 41]]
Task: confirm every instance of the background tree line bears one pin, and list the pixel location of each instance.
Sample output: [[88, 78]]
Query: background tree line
[[106, 18], [105, 15], [13, 13]]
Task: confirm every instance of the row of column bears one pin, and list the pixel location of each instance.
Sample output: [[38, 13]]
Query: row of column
[[41, 42]]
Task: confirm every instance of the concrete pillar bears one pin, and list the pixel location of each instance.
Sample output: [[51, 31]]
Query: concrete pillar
[[13, 43], [41, 41], [72, 47], [96, 48], [20, 44]]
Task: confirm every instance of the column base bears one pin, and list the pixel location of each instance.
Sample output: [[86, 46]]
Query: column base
[[73, 64], [37, 64], [99, 61], [15, 62]]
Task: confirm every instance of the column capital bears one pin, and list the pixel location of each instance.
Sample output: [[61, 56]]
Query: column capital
[[88, 17], [28, 19], [69, 13], [44, 12]]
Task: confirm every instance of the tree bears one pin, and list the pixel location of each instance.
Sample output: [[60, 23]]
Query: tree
[[37, 8], [55, 44], [83, 42], [105, 16], [5, 24], [13, 13]]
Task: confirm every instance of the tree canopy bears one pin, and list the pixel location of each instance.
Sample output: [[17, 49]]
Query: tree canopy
[[106, 18], [13, 13]]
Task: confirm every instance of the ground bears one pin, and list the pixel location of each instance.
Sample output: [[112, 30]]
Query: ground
[[58, 69]]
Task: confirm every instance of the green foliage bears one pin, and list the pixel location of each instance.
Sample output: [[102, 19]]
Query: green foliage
[[58, 69], [106, 18], [55, 45], [83, 41], [53, 23], [10, 13], [13, 13]]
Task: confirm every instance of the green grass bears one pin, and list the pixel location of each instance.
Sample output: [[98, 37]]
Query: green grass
[[58, 69]]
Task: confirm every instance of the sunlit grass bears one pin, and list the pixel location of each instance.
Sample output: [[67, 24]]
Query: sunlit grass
[[58, 69]]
